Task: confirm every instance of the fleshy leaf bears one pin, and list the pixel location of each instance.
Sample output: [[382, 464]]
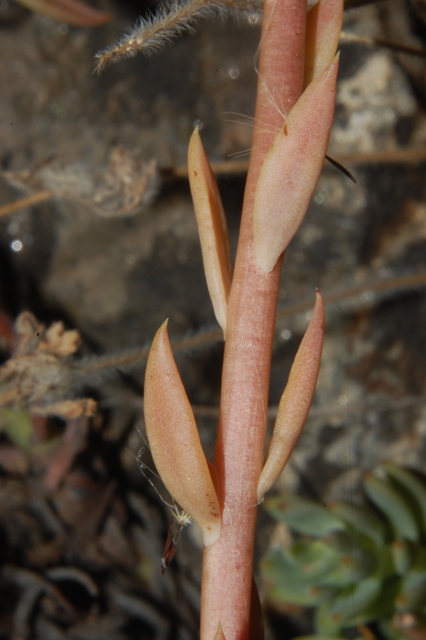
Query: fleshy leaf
[[361, 519], [393, 505], [174, 440], [412, 596], [314, 558], [353, 600], [383, 606], [212, 227], [402, 556], [291, 169], [412, 485], [296, 400], [73, 12], [304, 595], [323, 25], [289, 584], [324, 622], [303, 515]]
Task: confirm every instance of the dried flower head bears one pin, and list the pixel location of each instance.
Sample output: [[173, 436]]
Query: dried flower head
[[38, 373]]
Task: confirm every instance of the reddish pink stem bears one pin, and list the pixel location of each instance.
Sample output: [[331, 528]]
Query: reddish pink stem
[[228, 564]]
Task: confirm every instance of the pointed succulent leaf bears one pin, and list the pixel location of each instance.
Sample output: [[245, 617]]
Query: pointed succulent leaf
[[361, 563], [303, 515], [383, 606], [361, 519], [302, 595], [344, 541], [412, 595], [385, 568], [288, 584], [402, 556], [295, 402], [339, 577], [281, 570], [212, 227], [323, 25], [291, 169], [356, 561], [393, 505], [325, 624], [174, 440], [354, 600], [411, 483], [73, 12], [353, 562], [312, 557]]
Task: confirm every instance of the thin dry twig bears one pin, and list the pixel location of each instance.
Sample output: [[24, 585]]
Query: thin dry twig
[[381, 42], [41, 374], [399, 404], [126, 186], [382, 286], [405, 155], [27, 201], [171, 20]]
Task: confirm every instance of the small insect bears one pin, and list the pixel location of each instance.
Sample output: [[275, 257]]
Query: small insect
[[180, 518], [175, 527]]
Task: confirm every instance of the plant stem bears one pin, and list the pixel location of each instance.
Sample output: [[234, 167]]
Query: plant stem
[[228, 564]]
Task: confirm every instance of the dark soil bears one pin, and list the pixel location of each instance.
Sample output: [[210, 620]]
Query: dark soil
[[81, 530]]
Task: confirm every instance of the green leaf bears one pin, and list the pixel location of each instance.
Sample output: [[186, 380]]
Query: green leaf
[[413, 485], [355, 565], [277, 568], [384, 605], [402, 556], [314, 558], [354, 600], [385, 566], [304, 515], [16, 424], [325, 624], [303, 595], [391, 502], [361, 519], [289, 582], [412, 596]]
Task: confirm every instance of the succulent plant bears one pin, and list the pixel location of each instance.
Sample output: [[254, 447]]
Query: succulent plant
[[356, 564]]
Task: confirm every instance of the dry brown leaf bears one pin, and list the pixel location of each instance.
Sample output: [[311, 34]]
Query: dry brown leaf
[[39, 375]]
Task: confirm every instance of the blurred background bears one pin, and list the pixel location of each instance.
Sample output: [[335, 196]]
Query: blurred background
[[108, 245]]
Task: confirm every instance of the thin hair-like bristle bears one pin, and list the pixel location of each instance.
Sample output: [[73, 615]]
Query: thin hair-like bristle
[[154, 32], [170, 21]]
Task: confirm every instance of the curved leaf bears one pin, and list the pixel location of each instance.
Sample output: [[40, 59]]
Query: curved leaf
[[174, 440], [304, 515]]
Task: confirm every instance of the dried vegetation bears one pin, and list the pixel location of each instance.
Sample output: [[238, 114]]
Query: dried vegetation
[[83, 532]]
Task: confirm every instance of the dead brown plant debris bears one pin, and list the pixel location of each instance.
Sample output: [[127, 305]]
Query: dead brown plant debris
[[37, 375], [127, 185]]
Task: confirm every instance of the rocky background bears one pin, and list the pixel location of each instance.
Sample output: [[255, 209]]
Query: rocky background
[[111, 250]]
